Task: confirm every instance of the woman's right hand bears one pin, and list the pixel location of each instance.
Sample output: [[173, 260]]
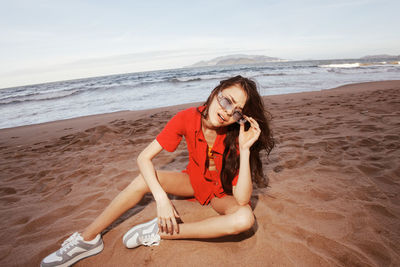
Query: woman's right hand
[[167, 215]]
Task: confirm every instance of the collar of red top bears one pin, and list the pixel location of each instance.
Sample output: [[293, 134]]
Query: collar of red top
[[219, 141]]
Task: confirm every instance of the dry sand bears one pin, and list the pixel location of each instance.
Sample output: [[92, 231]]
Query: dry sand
[[333, 197]]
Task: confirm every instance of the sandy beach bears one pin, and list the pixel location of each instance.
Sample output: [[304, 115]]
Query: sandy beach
[[333, 197]]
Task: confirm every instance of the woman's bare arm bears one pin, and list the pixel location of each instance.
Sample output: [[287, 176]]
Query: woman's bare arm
[[147, 168], [244, 187], [166, 212]]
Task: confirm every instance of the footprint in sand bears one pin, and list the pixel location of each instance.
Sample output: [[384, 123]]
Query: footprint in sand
[[7, 191], [21, 221], [381, 210], [376, 251], [369, 170]]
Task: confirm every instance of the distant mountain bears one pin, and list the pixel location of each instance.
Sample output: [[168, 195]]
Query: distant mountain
[[235, 60], [379, 56]]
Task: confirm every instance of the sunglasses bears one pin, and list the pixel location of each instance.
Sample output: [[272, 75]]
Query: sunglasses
[[227, 104]]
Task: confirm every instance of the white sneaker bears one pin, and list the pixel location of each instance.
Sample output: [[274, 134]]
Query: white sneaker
[[72, 250], [143, 234]]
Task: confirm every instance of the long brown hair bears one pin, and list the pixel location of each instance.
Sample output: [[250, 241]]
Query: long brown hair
[[254, 107]]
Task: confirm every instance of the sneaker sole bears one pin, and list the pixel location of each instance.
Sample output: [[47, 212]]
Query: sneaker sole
[[127, 235], [88, 253]]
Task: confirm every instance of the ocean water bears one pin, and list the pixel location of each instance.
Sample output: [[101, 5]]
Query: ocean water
[[136, 91]]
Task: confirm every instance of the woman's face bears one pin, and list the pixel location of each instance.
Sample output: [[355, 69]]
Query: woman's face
[[217, 115]]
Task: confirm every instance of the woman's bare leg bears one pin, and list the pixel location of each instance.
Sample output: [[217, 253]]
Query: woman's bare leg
[[176, 183], [233, 219]]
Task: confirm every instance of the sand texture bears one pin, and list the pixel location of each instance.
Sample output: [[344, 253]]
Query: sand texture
[[333, 197]]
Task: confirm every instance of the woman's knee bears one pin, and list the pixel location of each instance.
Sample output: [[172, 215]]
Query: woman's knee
[[243, 219]]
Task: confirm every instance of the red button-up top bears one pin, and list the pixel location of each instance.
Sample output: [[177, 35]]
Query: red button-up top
[[187, 123]]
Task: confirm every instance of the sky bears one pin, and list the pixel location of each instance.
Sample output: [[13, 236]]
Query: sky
[[44, 41]]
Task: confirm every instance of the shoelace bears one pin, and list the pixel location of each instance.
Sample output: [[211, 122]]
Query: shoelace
[[150, 240], [71, 241]]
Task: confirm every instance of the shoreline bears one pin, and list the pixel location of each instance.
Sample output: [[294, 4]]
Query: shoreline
[[71, 125], [350, 85], [333, 196]]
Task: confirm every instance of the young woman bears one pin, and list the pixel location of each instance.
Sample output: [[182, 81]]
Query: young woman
[[224, 138]]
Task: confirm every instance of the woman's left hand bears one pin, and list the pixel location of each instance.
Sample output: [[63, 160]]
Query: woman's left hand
[[247, 138]]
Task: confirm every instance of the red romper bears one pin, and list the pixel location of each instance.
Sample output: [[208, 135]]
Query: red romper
[[206, 184]]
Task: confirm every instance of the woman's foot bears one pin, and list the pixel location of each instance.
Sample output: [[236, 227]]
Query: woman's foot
[[143, 234], [72, 250]]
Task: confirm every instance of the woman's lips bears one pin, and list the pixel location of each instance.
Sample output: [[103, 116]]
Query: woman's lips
[[221, 118]]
